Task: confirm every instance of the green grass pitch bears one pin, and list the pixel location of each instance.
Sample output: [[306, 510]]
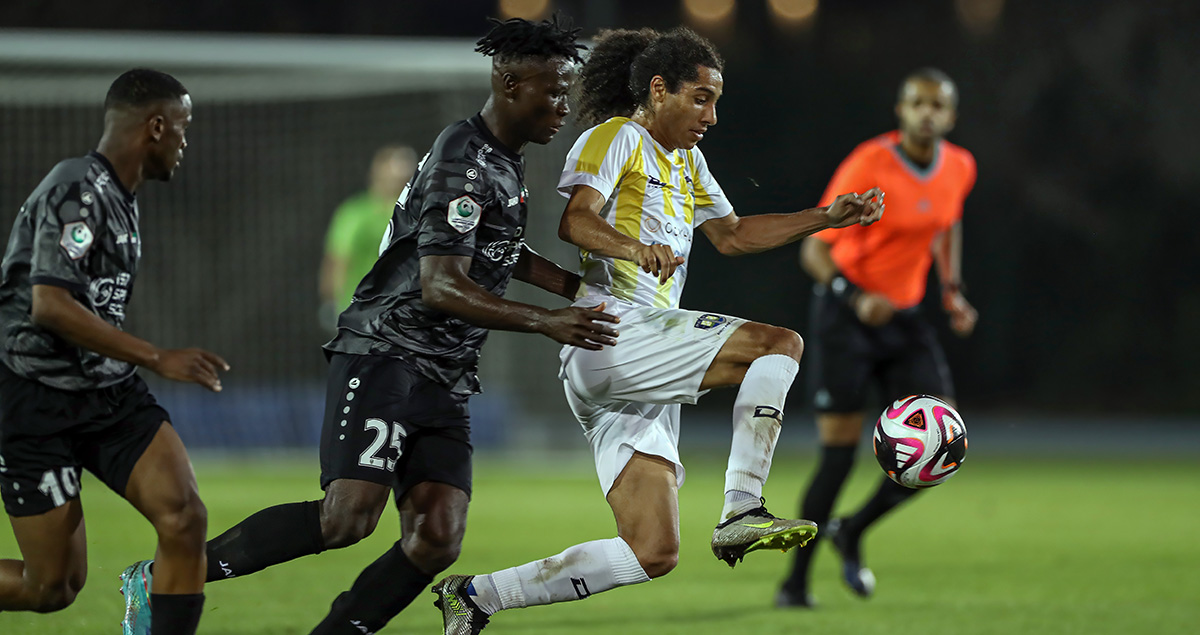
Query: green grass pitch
[[1006, 547]]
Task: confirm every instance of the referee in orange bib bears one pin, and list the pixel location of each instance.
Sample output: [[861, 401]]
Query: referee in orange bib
[[867, 326]]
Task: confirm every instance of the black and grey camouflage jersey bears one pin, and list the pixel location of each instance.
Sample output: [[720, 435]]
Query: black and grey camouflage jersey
[[78, 230], [467, 198]]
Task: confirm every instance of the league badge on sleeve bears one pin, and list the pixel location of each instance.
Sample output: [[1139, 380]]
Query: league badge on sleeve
[[76, 239], [463, 214]]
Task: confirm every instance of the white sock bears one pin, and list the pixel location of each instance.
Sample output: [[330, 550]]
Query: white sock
[[574, 574], [757, 418]]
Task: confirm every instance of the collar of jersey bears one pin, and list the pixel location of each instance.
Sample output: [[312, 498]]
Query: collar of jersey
[[112, 172], [477, 121], [676, 154], [923, 173]]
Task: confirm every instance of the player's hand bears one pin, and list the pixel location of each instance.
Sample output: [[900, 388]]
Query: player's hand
[[191, 365], [657, 259], [963, 316], [873, 309], [848, 209], [586, 328]]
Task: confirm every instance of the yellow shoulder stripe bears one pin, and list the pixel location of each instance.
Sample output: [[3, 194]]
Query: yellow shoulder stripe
[[598, 143]]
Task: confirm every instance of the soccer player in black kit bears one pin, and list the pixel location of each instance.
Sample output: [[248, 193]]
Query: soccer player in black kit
[[69, 394], [403, 363]]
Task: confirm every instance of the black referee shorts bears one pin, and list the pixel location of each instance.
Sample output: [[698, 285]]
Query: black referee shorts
[[104, 431], [388, 424], [844, 357]]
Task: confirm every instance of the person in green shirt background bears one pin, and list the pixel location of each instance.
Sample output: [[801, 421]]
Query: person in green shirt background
[[352, 243]]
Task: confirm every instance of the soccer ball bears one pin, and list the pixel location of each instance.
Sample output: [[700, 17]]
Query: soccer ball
[[920, 441]]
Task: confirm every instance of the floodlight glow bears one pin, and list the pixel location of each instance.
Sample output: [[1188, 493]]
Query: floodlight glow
[[709, 10], [792, 11], [528, 9]]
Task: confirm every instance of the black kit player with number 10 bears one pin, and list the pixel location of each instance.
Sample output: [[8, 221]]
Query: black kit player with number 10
[[69, 394]]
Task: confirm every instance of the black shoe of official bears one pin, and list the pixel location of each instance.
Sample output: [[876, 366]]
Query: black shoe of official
[[787, 599], [860, 579]]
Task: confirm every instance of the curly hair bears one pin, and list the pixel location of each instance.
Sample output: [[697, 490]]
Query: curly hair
[[615, 80], [517, 38]]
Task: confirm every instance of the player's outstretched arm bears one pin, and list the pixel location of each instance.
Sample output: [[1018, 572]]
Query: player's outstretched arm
[[734, 235], [56, 311], [535, 269], [446, 287], [582, 226]]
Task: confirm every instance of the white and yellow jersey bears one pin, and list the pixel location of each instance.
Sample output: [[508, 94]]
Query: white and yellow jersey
[[654, 196]]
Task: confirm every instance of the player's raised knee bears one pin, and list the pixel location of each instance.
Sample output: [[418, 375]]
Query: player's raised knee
[[658, 562], [186, 518], [54, 595], [345, 521], [785, 342], [435, 546]]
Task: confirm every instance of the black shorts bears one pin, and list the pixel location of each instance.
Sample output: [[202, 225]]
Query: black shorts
[[845, 356], [105, 431], [386, 423]]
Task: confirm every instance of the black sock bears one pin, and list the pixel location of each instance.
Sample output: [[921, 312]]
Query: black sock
[[273, 535], [886, 498], [816, 505], [175, 614], [381, 591]]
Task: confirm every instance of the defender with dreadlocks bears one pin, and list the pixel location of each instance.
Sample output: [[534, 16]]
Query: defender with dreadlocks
[[638, 190], [403, 363]]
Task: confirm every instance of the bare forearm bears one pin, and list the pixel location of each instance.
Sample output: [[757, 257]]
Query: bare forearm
[[948, 255], [540, 272], [592, 233], [767, 231], [56, 311], [817, 261], [332, 277], [464, 299]]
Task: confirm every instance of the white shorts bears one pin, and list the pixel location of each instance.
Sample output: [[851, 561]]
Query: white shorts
[[627, 397]]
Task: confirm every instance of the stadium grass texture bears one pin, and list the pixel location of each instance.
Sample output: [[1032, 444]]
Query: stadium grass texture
[[1006, 547]]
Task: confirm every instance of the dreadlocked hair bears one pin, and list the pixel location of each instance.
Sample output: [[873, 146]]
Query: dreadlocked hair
[[517, 38], [615, 80]]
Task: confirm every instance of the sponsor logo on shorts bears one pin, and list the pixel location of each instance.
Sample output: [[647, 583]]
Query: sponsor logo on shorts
[[710, 320]]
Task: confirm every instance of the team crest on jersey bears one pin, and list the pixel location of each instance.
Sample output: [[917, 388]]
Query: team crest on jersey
[[76, 239], [709, 320], [463, 214], [87, 198]]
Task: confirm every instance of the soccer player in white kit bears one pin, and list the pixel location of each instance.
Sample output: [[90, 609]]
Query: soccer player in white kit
[[638, 189]]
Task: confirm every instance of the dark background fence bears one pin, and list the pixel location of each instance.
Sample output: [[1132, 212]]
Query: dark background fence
[[1080, 233]]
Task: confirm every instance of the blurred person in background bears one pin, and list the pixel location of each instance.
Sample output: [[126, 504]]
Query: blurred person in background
[[352, 242], [867, 326], [70, 396]]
